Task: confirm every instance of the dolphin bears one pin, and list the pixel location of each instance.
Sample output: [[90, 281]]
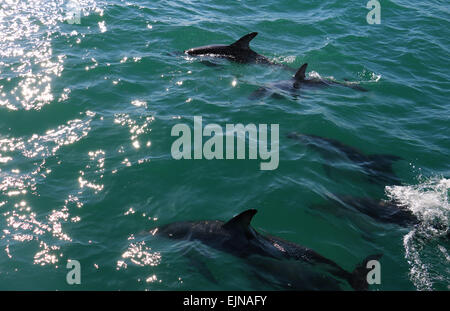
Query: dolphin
[[387, 212], [240, 239], [299, 81], [239, 51], [378, 167], [380, 210]]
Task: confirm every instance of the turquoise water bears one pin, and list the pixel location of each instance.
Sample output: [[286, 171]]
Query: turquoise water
[[86, 112]]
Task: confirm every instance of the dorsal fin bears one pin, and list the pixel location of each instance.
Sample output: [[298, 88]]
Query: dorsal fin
[[300, 74], [243, 43], [240, 222]]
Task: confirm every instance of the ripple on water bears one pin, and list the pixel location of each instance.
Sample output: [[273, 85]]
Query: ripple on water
[[28, 63], [23, 224]]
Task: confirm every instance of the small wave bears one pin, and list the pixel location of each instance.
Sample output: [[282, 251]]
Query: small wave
[[366, 77]]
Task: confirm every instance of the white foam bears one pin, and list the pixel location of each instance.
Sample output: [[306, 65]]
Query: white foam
[[314, 74], [418, 271], [375, 77], [428, 200]]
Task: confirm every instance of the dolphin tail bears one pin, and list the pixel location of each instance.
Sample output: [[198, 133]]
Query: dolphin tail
[[358, 278]]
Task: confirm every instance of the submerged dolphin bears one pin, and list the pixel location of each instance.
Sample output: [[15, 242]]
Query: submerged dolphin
[[299, 81], [387, 212], [377, 166], [380, 210], [239, 238], [239, 51]]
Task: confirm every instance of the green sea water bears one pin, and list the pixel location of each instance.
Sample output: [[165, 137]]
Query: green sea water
[[87, 107]]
